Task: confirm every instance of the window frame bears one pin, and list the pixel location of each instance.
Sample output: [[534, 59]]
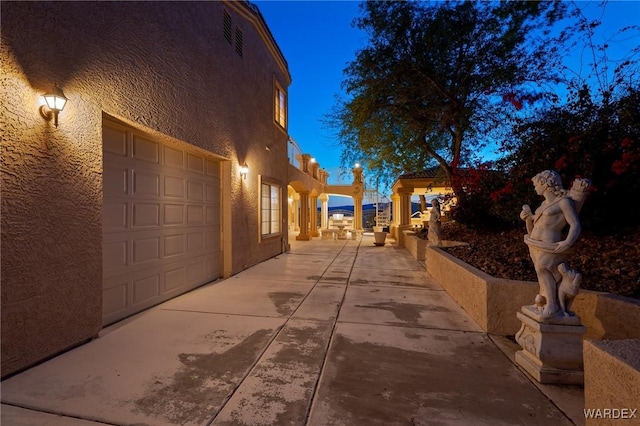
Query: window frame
[[280, 107], [274, 188]]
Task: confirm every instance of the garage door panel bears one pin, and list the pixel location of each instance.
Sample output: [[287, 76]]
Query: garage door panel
[[195, 163], [212, 168], [195, 272], [146, 250], [195, 214], [146, 150], [211, 240], [211, 216], [145, 289], [175, 279], [115, 215], [195, 242], [211, 194], [114, 296], [146, 184], [173, 157], [173, 187], [174, 214], [161, 224], [115, 254], [174, 245], [195, 191], [115, 181], [146, 215], [114, 141]]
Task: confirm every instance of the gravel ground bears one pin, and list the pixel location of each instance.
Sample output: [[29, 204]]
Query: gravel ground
[[610, 263]]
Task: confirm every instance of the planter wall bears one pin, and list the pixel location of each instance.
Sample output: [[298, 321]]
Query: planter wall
[[610, 347], [612, 379], [416, 246], [493, 302]]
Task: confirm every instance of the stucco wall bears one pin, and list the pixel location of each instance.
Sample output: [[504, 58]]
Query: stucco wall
[[51, 228], [494, 302], [162, 67], [612, 382], [414, 245]]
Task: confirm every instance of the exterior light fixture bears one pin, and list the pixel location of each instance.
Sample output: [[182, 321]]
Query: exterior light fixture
[[244, 169], [56, 100], [357, 165]]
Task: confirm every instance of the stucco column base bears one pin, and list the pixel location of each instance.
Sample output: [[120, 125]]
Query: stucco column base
[[301, 237], [551, 353]]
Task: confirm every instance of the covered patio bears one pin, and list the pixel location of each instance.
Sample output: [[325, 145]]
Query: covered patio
[[430, 182], [307, 185]]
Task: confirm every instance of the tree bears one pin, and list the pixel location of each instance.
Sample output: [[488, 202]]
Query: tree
[[430, 87]]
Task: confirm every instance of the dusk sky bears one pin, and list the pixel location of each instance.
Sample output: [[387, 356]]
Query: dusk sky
[[317, 39]]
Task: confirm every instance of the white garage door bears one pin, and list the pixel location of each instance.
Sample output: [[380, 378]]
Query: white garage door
[[161, 216]]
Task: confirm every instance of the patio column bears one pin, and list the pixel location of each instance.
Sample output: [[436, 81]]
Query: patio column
[[358, 196], [405, 208], [324, 211], [395, 206], [405, 215], [304, 217], [313, 213], [357, 213], [296, 206]]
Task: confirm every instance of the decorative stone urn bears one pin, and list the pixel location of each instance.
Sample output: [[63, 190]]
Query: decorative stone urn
[[551, 334]]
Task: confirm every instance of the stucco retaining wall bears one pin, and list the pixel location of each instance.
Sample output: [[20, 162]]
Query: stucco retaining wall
[[611, 346], [493, 302], [416, 246], [612, 381]]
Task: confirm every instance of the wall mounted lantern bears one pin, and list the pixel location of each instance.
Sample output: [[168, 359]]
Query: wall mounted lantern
[[56, 100], [244, 169]]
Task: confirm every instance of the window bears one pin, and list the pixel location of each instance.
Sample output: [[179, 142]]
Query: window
[[269, 209], [280, 109], [226, 26]]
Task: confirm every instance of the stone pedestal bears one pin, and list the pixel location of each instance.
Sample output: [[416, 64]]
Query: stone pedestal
[[551, 348], [356, 234], [328, 234]]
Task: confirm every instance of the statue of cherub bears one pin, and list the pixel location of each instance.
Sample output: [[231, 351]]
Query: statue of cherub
[[548, 246]]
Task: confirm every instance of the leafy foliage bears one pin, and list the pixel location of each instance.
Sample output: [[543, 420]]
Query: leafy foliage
[[596, 135], [582, 139], [429, 88]]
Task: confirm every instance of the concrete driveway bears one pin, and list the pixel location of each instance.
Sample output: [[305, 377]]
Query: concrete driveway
[[330, 333]]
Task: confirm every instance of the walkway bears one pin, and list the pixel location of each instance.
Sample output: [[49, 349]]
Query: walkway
[[331, 333]]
